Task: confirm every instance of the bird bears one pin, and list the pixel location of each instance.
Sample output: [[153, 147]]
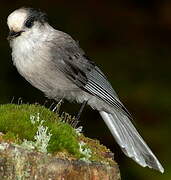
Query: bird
[[53, 62]]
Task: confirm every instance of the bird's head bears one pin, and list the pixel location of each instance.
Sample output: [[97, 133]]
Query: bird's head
[[24, 21]]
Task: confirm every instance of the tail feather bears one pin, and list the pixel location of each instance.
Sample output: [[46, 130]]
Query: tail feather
[[129, 140]]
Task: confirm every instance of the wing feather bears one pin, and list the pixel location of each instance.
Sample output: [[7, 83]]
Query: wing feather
[[85, 74]]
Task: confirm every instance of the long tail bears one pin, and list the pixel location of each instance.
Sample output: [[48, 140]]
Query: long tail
[[130, 141]]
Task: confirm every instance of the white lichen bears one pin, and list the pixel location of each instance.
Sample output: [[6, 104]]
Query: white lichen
[[36, 119], [42, 136], [21, 171], [30, 145], [3, 146], [84, 150]]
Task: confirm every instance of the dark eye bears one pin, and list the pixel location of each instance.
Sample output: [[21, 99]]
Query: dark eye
[[29, 23]]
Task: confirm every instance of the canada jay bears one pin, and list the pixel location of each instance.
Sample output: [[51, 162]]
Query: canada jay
[[54, 63]]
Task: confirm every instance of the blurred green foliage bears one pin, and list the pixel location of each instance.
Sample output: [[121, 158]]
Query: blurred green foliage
[[131, 42]]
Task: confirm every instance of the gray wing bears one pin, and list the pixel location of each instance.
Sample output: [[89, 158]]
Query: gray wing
[[76, 66]]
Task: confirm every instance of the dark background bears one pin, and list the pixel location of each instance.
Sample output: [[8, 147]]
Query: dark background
[[131, 42]]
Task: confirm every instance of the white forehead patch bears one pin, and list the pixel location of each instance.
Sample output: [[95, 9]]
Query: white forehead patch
[[16, 19]]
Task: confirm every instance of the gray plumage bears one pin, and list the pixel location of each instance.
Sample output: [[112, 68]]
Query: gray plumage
[[54, 63]]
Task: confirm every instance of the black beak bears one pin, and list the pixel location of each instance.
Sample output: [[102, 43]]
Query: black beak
[[13, 34]]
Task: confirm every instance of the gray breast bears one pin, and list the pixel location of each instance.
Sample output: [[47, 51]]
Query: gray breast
[[33, 63]]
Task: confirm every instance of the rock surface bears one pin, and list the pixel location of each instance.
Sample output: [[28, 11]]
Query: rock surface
[[17, 163]]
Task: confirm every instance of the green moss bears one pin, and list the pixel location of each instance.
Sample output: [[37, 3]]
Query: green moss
[[16, 119], [63, 137], [11, 137], [99, 153], [15, 123], [20, 123]]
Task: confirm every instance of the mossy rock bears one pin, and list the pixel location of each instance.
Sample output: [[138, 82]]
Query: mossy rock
[[23, 124]]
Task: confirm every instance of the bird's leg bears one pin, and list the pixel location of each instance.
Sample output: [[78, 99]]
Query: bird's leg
[[57, 107], [81, 110], [79, 114]]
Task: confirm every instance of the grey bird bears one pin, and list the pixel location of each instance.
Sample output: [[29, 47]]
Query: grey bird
[[54, 63]]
